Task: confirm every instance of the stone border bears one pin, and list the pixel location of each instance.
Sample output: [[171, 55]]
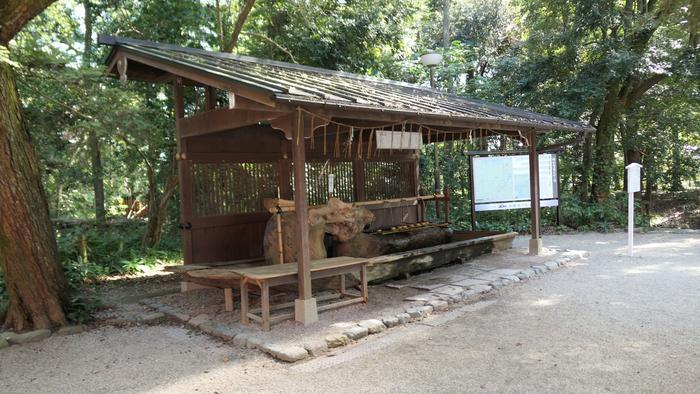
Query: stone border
[[347, 333], [8, 338]]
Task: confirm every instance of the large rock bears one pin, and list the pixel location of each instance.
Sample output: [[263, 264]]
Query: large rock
[[438, 305], [357, 332], [390, 321], [316, 347], [336, 340], [373, 326], [31, 336]]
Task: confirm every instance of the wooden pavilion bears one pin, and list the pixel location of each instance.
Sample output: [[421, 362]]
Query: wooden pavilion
[[269, 129]]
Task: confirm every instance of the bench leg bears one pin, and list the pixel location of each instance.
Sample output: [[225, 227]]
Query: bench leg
[[228, 298], [363, 283], [265, 305], [244, 303], [342, 285]]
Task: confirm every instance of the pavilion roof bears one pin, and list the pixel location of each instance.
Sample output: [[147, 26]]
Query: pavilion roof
[[310, 86]]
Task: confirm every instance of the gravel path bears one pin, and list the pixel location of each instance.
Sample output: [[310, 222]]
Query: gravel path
[[612, 323]]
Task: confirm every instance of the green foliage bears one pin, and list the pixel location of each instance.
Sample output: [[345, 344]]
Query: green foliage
[[91, 252]]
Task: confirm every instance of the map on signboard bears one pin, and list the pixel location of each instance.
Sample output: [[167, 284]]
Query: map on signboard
[[507, 178]]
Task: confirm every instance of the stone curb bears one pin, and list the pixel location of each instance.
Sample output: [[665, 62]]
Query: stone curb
[[9, 338], [356, 331]]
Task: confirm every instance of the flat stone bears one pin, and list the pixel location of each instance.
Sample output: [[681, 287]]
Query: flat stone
[[413, 313], [420, 297], [3, 343], [470, 271], [150, 317], [449, 290], [471, 282], [222, 332], [438, 305], [184, 317], [336, 340], [70, 330], [488, 277], [390, 321], [506, 271], [540, 269], [254, 342], [316, 347], [497, 284], [240, 340], [552, 265], [403, 318], [199, 319], [288, 353], [7, 335], [357, 332], [373, 326], [31, 336], [511, 278]]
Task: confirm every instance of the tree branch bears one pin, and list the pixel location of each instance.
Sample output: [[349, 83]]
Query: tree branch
[[14, 14], [271, 41], [242, 16]]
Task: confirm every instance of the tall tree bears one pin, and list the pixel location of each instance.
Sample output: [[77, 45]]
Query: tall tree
[[28, 252], [98, 185]]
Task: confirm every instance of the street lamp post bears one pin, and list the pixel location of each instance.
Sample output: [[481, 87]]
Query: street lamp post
[[430, 60]]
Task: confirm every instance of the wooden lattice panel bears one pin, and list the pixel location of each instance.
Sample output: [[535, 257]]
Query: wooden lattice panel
[[317, 181], [384, 180], [231, 188]]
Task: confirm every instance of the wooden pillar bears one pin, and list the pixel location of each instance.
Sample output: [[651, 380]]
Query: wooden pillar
[[183, 170], [536, 241], [305, 310], [209, 98]]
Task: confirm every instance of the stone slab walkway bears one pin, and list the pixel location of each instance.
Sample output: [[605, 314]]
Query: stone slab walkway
[[391, 304]]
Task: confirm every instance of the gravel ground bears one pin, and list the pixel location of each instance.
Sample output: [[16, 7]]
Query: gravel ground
[[612, 323]]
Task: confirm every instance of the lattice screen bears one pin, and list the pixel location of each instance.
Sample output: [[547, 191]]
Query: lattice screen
[[230, 188], [317, 181], [384, 180]]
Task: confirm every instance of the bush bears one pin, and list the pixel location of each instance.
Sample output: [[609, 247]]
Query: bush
[[605, 217]]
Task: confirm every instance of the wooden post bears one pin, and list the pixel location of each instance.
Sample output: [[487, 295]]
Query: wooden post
[[446, 193], [209, 98], [183, 170], [536, 241], [436, 175], [305, 306], [471, 191]]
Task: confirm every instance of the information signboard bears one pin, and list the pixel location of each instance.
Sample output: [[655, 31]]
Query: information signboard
[[503, 182]]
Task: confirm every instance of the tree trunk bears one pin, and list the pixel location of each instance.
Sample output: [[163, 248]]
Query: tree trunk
[[28, 252], [98, 185], [158, 205], [97, 176], [446, 24], [604, 150]]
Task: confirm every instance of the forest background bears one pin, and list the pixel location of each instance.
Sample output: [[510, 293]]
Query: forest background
[[629, 68]]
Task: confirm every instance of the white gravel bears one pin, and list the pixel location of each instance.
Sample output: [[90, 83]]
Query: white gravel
[[612, 323]]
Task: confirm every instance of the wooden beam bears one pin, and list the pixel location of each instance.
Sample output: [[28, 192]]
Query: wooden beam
[[261, 97], [536, 241], [221, 119]]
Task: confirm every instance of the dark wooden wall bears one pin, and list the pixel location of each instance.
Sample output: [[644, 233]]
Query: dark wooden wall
[[231, 172]]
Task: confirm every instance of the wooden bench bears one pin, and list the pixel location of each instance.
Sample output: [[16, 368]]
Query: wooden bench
[[285, 274]]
